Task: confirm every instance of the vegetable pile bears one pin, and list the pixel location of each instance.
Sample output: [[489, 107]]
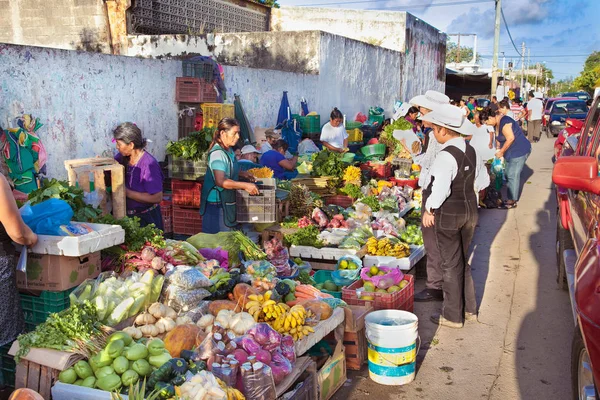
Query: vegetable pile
[[193, 147], [55, 189], [328, 163]]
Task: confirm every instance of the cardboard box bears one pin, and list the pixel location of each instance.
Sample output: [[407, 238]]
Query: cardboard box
[[56, 273], [355, 317], [333, 373]]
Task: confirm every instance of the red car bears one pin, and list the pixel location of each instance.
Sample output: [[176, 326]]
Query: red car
[[577, 183], [573, 127]]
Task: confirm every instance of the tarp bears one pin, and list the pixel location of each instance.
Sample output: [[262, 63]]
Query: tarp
[[283, 110], [246, 133]]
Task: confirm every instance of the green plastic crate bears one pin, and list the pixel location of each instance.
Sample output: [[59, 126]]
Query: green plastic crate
[[7, 367], [310, 124], [322, 276], [37, 308]]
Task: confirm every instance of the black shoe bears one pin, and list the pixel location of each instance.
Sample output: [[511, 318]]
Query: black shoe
[[430, 295]]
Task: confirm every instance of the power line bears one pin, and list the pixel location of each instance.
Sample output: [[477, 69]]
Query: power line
[[397, 7], [508, 30]]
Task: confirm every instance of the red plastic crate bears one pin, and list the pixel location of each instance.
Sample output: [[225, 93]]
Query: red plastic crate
[[194, 90], [413, 183], [377, 171], [186, 193], [186, 221], [339, 200], [401, 300], [166, 209]]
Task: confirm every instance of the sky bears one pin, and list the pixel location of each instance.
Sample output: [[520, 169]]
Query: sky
[[561, 33]]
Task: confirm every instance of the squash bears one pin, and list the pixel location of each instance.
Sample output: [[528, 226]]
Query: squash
[[25, 394], [241, 291], [182, 337], [215, 306]]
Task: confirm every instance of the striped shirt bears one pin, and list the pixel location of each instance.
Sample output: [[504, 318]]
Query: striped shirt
[[516, 109]]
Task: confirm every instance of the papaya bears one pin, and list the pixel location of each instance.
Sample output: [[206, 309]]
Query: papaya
[[217, 305], [241, 291], [182, 337]]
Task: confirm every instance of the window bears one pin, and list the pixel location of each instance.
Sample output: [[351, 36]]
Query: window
[[574, 107], [591, 123]]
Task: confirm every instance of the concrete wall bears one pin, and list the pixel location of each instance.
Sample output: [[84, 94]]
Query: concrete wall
[[382, 28], [80, 97], [63, 24]]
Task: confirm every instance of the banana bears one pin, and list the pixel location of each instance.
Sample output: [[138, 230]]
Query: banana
[[267, 296], [253, 297], [294, 323], [269, 303], [251, 304], [287, 324]]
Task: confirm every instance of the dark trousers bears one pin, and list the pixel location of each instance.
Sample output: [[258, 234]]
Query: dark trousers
[[453, 235], [434, 261]]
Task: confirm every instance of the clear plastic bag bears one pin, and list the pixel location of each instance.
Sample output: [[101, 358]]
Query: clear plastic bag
[[197, 312], [182, 300], [257, 381], [392, 277], [188, 278], [346, 276]]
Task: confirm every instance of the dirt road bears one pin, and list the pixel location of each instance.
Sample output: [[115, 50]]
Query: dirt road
[[520, 349]]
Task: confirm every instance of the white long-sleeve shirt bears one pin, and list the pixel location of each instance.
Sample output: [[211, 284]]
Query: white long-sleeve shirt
[[426, 160], [445, 169]]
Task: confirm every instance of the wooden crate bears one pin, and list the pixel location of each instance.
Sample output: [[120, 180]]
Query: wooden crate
[[355, 344], [36, 377], [283, 209], [80, 171], [276, 231]]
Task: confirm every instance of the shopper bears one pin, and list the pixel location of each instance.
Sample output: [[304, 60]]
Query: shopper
[[504, 109], [12, 229], [143, 175], [472, 105], [451, 211], [513, 146], [518, 111], [462, 104], [431, 100], [494, 104], [217, 205], [281, 166], [333, 135], [248, 158], [271, 136], [535, 109]]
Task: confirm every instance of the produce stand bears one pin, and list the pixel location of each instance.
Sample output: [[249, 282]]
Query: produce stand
[[321, 330], [405, 264], [303, 364], [324, 253], [103, 237]]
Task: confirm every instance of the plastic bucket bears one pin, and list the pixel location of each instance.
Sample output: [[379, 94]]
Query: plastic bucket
[[392, 346]]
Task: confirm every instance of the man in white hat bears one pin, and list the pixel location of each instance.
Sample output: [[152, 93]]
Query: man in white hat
[[431, 100], [249, 158], [451, 210]]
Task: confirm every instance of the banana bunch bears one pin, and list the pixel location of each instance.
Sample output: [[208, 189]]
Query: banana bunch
[[300, 331], [274, 311], [293, 322], [352, 175], [257, 303], [232, 394], [384, 247]]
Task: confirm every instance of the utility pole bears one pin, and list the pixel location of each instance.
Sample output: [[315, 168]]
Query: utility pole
[[458, 49], [523, 70], [503, 77], [537, 71], [528, 63], [496, 46]]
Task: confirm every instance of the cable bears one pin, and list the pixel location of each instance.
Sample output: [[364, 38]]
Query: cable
[[397, 7], [507, 30]]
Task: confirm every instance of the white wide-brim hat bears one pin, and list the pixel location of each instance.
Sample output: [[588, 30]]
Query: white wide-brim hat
[[450, 117], [431, 100]]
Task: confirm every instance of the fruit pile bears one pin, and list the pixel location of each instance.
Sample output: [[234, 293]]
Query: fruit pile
[[304, 222], [348, 264], [369, 287], [384, 247], [412, 235], [293, 322], [329, 285], [262, 308]]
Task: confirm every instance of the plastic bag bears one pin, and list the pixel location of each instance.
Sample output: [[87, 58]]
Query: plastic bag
[[288, 349], [346, 276], [498, 170], [46, 218], [360, 117], [307, 146], [393, 276], [184, 300], [222, 256], [188, 278], [197, 312], [257, 381]]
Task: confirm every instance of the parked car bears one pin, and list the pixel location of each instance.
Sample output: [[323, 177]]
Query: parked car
[[482, 103], [575, 176], [585, 96], [547, 105], [560, 110]]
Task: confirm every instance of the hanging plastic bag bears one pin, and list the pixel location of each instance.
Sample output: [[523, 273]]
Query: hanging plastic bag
[[46, 218], [347, 270], [392, 277], [498, 171]]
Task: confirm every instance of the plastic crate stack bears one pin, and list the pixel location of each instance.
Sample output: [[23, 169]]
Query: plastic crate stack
[[186, 207]]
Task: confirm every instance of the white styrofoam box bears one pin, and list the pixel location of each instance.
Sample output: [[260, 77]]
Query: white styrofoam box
[[64, 391], [103, 237], [325, 253], [406, 263]]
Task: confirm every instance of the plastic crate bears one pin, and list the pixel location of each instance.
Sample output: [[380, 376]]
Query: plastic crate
[[186, 193], [166, 209], [377, 171], [37, 308], [187, 170], [404, 165], [311, 124], [194, 90], [7, 367], [186, 221], [186, 124], [350, 125], [325, 275], [339, 200], [413, 183], [212, 113], [199, 69], [401, 300], [355, 135], [257, 209]]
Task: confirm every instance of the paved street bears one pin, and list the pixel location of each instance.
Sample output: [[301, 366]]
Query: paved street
[[520, 349]]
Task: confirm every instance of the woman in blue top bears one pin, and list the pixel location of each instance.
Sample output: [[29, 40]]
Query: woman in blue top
[[513, 146], [275, 159], [217, 204]]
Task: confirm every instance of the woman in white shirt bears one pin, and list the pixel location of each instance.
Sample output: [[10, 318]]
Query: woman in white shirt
[[333, 135]]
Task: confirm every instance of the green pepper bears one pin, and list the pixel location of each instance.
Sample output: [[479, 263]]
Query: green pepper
[[83, 369], [164, 390]]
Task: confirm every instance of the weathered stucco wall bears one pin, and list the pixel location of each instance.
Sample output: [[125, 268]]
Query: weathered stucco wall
[[354, 76], [80, 97], [63, 24], [425, 66], [261, 91], [382, 28]]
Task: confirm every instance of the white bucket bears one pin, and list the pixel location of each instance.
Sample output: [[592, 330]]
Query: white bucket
[[392, 347]]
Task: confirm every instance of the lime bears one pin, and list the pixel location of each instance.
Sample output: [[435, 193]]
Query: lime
[[373, 271]]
